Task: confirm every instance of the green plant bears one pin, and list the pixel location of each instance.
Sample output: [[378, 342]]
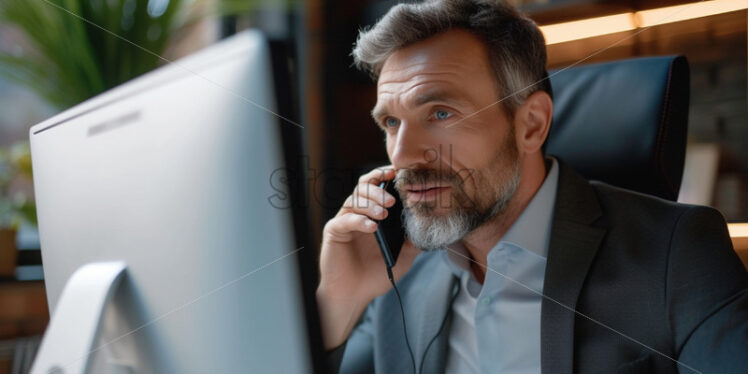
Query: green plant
[[16, 204], [74, 49], [68, 60]]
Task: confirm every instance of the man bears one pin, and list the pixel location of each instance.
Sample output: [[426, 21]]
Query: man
[[514, 263]]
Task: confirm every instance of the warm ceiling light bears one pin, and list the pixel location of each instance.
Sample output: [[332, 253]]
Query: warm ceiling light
[[684, 12], [738, 230], [587, 28], [564, 32], [739, 236]]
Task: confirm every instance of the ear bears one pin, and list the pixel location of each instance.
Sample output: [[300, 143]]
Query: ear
[[533, 122]]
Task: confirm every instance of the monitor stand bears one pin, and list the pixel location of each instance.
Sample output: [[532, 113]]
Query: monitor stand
[[69, 340]]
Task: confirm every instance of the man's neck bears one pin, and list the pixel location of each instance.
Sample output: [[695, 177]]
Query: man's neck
[[481, 240]]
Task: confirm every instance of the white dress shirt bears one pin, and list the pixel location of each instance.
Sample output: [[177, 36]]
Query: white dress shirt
[[495, 327]]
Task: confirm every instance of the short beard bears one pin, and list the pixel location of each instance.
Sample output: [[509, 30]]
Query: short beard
[[432, 232]]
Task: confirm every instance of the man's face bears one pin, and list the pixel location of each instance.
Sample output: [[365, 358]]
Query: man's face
[[456, 152]]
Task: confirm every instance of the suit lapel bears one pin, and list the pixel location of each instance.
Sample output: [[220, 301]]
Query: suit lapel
[[573, 245]]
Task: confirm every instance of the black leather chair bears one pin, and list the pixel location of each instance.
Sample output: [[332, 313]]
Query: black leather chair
[[623, 122]]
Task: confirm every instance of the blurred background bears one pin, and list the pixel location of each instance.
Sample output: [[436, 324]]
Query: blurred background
[[55, 54]]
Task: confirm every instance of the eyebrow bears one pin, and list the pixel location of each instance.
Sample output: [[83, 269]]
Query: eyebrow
[[422, 99]]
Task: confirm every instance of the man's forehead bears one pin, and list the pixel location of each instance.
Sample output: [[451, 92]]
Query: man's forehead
[[456, 46], [424, 77], [435, 69], [451, 56], [421, 71]]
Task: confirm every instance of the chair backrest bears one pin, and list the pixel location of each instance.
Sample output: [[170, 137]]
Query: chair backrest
[[623, 122]]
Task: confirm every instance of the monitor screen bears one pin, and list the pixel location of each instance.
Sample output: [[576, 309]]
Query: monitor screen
[[169, 174]]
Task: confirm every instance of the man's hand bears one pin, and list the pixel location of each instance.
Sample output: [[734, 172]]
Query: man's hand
[[352, 269]]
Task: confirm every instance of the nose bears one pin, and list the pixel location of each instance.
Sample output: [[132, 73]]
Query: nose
[[410, 147]]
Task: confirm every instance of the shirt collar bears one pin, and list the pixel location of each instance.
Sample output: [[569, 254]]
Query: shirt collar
[[532, 229]]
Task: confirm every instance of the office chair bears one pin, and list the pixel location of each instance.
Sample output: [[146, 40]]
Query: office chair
[[623, 122]]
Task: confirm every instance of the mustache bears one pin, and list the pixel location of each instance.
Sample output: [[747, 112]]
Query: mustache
[[424, 176], [450, 178]]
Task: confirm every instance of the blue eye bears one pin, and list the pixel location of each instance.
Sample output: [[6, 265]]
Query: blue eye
[[391, 122], [442, 114]]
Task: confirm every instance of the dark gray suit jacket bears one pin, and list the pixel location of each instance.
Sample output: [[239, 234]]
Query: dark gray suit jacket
[[663, 275]]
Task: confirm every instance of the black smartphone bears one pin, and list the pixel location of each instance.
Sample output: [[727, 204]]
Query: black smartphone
[[390, 233]]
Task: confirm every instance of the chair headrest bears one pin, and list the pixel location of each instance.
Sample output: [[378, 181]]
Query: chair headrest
[[623, 122]]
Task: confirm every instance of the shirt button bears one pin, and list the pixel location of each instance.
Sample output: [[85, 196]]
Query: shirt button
[[486, 300]]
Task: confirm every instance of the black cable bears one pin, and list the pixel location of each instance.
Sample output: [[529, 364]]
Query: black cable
[[441, 327], [402, 313]]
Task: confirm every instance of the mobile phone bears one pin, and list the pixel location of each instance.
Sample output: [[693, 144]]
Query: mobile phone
[[390, 233]]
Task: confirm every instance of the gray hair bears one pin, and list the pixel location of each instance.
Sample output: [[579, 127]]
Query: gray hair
[[515, 45]]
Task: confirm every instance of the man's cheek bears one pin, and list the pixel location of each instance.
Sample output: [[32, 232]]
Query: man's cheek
[[465, 191]]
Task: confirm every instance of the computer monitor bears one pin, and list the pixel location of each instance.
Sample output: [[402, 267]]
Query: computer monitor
[[156, 218]]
